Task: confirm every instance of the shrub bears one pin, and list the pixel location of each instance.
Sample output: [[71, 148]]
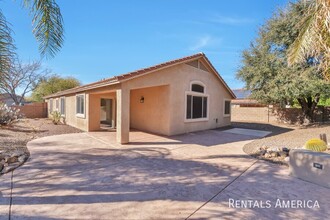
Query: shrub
[[8, 114], [56, 117], [316, 144]]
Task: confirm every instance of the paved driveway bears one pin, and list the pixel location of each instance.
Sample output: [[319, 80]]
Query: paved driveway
[[89, 176]]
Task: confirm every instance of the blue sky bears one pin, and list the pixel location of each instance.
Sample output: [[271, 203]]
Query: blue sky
[[105, 38]]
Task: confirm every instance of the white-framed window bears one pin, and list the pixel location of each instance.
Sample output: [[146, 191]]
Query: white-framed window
[[227, 107], [80, 105], [197, 103], [62, 105], [50, 105], [57, 104]]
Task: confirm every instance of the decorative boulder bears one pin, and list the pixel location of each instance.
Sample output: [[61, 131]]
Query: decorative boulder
[[12, 160]]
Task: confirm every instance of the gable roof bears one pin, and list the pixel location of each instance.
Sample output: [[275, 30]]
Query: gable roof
[[137, 73]]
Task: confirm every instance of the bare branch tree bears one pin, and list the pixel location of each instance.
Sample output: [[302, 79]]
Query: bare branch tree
[[21, 79]]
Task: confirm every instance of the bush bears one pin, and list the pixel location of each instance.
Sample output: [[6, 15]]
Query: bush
[[8, 114], [56, 116], [316, 144]]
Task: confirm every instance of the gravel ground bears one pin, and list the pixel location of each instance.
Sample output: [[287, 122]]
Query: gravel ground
[[15, 136], [283, 136]]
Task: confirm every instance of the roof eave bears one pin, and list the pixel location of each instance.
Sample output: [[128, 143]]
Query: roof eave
[[82, 89]]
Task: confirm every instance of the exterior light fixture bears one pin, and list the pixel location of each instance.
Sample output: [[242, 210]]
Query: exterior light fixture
[[142, 99]]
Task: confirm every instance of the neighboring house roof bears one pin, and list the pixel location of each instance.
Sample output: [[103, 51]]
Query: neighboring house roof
[[243, 98], [242, 93], [4, 96], [141, 72], [7, 99]]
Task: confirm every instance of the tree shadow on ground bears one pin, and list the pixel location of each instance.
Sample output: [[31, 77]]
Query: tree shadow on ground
[[113, 176], [107, 177], [127, 175]]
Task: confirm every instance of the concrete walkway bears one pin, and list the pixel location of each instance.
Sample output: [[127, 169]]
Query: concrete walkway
[[89, 176]]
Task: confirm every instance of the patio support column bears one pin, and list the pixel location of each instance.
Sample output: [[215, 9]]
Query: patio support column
[[123, 111]]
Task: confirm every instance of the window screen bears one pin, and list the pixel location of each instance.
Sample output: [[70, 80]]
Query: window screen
[[62, 106], [227, 107], [80, 104]]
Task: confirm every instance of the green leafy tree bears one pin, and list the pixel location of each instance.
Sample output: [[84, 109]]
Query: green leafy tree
[[52, 85], [47, 28], [267, 74]]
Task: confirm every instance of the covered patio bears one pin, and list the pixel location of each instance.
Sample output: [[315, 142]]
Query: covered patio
[[120, 110]]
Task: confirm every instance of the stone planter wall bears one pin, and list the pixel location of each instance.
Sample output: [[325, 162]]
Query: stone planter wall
[[310, 166]]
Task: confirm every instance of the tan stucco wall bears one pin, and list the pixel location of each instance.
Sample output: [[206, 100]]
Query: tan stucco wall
[[153, 114], [70, 116], [164, 109], [70, 113], [91, 120], [178, 78]]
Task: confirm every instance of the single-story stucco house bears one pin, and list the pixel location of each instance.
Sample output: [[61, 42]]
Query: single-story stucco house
[[175, 97]]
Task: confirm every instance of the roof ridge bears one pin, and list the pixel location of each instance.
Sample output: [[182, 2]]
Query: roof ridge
[[137, 72]]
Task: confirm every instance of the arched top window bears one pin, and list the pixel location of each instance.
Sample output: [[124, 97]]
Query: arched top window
[[197, 88], [196, 102]]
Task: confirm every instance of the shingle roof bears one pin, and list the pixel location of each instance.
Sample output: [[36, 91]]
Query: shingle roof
[[137, 73]]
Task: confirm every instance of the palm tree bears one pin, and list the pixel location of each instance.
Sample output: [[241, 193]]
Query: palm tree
[[47, 28], [314, 37]]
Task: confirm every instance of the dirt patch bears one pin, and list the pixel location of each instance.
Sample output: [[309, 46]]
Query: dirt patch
[[18, 134]]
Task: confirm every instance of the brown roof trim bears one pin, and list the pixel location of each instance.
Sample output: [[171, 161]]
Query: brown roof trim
[[151, 69], [138, 73]]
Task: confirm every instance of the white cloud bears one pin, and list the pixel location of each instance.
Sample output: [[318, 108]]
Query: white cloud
[[201, 43]]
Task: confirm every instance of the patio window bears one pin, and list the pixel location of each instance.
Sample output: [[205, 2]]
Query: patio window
[[227, 108], [80, 105], [196, 103], [62, 110]]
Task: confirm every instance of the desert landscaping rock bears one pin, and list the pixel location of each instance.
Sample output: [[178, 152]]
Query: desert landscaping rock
[[11, 162], [283, 154], [12, 159], [17, 153], [22, 158], [275, 154]]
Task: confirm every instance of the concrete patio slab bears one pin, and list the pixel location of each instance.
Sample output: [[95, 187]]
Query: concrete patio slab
[[5, 194], [249, 132], [267, 182], [90, 176]]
